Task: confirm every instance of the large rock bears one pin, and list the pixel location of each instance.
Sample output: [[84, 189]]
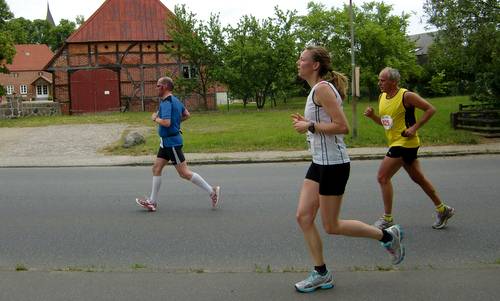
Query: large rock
[[133, 138]]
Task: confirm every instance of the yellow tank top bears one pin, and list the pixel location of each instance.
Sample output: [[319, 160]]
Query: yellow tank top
[[396, 118]]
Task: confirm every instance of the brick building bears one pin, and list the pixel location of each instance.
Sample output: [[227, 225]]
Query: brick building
[[27, 78], [112, 62]]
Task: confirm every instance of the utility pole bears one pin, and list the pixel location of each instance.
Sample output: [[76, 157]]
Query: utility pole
[[354, 80]]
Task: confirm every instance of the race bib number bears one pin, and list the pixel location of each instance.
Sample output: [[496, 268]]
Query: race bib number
[[387, 122]]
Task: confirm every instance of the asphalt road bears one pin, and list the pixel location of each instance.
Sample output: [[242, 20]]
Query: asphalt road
[[61, 222]]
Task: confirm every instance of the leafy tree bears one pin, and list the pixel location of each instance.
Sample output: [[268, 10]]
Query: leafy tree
[[198, 46], [242, 57], [39, 31], [19, 29], [283, 36], [7, 50], [467, 45], [5, 13], [380, 40], [80, 19], [330, 29], [260, 58], [59, 34]]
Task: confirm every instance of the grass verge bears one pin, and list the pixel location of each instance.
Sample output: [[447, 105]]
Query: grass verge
[[248, 129]]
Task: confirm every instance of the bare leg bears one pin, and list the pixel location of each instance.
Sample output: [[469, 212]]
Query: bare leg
[[158, 166], [415, 172], [387, 170], [306, 213], [330, 209]]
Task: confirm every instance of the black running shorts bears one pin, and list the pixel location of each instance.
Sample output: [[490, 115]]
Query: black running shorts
[[332, 179], [172, 153], [408, 154]]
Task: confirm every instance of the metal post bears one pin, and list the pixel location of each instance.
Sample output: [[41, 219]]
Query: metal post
[[353, 78]]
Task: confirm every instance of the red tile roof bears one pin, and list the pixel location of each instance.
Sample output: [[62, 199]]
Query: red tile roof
[[30, 57], [125, 20]]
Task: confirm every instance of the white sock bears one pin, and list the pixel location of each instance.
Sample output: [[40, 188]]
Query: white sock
[[155, 189], [200, 182]]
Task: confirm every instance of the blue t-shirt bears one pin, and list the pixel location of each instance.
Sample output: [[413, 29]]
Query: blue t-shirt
[[170, 108]]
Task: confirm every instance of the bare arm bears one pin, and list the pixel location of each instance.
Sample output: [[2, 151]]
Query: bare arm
[[370, 113], [162, 122], [413, 99], [185, 114], [328, 100]]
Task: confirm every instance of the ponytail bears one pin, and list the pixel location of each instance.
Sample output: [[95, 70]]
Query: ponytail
[[340, 83]]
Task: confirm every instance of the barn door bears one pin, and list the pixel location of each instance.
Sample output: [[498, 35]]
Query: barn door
[[94, 91]]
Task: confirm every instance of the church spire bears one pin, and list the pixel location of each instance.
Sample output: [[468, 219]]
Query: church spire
[[49, 16]]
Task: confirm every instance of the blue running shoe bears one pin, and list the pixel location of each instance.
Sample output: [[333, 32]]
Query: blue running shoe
[[315, 281]]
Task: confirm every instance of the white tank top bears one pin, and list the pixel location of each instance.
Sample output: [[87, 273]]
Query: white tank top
[[325, 149]]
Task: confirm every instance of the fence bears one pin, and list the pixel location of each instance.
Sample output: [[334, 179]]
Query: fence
[[481, 119]]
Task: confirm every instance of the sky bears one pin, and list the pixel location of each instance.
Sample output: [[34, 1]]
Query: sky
[[230, 11]]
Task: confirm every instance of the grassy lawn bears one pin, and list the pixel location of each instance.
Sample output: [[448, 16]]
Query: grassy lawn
[[248, 129]]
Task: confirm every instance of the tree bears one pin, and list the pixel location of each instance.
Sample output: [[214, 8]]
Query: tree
[[39, 31], [259, 60], [7, 50], [59, 34], [80, 19], [242, 56], [380, 40], [19, 29], [283, 37], [5, 13], [330, 29], [467, 45], [197, 46]]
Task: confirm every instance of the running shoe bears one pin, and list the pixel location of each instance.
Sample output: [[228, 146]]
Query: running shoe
[[215, 197], [146, 204], [442, 218], [315, 281], [395, 247], [382, 224]]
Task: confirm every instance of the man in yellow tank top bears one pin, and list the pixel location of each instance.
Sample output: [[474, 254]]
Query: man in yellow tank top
[[397, 116]]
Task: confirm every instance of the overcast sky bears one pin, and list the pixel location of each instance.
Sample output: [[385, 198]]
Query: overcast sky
[[230, 11]]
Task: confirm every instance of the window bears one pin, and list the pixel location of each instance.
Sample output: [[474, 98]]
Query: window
[[42, 90], [9, 89], [189, 71], [185, 71], [23, 89]]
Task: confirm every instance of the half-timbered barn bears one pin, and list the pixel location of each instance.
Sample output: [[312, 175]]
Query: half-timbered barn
[[112, 62]]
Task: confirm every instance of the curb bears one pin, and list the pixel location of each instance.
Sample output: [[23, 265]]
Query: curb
[[131, 161]]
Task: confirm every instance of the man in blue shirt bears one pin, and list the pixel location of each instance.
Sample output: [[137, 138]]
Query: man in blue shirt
[[170, 114]]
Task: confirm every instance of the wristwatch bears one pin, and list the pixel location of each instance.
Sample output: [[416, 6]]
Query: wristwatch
[[311, 127]]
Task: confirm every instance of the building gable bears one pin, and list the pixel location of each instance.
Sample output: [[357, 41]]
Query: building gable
[[125, 20]]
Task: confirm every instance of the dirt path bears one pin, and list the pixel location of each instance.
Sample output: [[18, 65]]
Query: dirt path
[[58, 140]]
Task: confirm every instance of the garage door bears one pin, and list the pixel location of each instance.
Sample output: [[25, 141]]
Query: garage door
[[94, 91]]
